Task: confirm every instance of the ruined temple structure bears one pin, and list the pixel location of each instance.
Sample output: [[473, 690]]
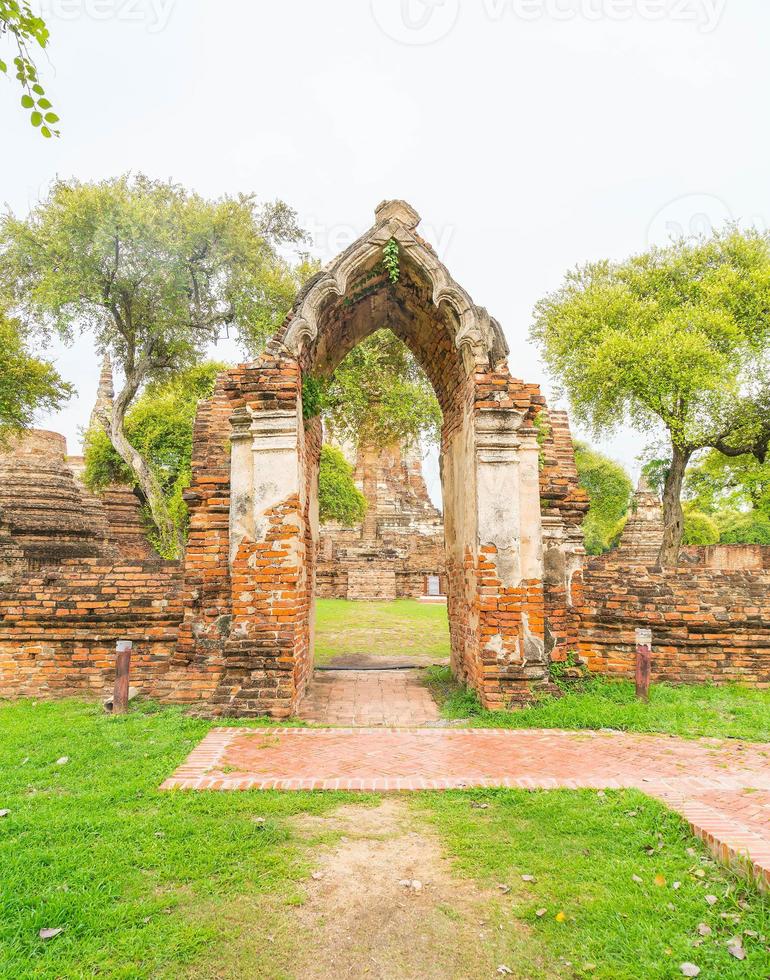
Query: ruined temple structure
[[643, 534], [47, 516], [398, 550], [230, 628], [512, 504], [233, 625]]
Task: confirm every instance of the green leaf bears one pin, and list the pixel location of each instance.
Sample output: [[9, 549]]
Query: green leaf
[[44, 103], [3, 66], [46, 132], [27, 101], [38, 90], [36, 118], [51, 117]]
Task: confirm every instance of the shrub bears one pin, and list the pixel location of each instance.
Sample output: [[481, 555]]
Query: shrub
[[609, 488], [339, 499], [749, 528], [160, 426], [699, 529]]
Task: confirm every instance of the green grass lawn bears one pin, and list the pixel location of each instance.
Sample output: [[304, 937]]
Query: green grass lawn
[[689, 711], [404, 628], [584, 851], [150, 884], [139, 881]]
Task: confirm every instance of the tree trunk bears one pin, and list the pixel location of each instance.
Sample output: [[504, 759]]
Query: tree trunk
[[153, 494], [673, 516]]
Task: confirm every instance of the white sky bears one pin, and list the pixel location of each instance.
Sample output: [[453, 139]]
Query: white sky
[[530, 134]]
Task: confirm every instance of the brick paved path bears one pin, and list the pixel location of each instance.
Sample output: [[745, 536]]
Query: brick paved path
[[396, 698], [705, 780]]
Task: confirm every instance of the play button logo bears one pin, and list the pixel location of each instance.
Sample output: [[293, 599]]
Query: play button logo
[[415, 22]]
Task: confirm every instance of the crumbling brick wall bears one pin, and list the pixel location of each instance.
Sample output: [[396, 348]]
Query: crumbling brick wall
[[58, 630], [708, 626], [564, 505]]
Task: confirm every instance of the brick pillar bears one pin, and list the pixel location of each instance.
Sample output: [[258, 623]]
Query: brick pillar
[[510, 563], [269, 632]]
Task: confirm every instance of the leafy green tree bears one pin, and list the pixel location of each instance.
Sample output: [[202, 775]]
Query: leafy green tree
[[155, 274], [339, 499], [27, 383], [716, 482], [25, 31], [378, 395], [609, 488], [744, 528], [675, 338], [160, 426]]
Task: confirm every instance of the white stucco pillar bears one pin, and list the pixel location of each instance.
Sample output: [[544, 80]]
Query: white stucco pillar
[[497, 490], [529, 509], [264, 469]]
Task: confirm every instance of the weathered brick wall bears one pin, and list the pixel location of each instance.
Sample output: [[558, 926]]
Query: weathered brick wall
[[728, 557], [708, 626], [246, 613], [58, 631], [564, 505]]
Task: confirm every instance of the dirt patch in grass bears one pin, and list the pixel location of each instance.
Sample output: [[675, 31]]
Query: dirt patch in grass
[[383, 902]]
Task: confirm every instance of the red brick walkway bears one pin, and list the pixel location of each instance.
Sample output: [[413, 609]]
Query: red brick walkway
[[705, 780], [396, 698]]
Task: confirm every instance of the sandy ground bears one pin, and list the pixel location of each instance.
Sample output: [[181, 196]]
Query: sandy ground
[[384, 903]]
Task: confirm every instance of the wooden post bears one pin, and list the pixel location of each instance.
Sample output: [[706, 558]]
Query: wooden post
[[122, 669], [643, 663]]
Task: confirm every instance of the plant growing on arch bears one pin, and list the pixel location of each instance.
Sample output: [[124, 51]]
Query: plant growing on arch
[[155, 274], [675, 339]]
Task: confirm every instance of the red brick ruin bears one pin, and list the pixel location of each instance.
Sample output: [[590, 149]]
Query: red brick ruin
[[398, 550], [230, 628]]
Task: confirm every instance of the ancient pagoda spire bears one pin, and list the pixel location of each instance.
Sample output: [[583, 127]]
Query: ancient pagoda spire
[[105, 393]]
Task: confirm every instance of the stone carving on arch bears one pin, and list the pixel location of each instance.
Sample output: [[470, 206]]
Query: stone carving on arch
[[477, 335]]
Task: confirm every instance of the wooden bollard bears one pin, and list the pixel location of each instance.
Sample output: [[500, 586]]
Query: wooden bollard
[[122, 669], [643, 663]]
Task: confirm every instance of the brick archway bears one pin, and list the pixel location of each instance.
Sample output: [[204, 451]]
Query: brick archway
[[250, 562]]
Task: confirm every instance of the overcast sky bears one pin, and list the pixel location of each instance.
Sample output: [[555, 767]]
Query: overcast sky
[[531, 135]]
